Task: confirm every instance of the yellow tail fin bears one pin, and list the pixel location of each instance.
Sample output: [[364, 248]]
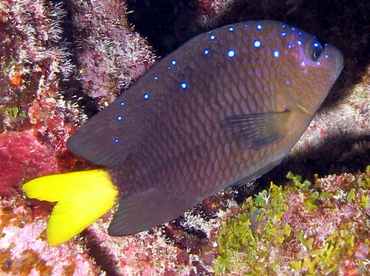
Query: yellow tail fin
[[82, 197]]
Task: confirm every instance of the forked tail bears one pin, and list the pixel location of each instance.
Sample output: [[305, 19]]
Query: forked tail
[[82, 197]]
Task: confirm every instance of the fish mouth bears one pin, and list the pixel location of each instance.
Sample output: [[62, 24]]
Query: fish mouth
[[340, 63], [336, 59]]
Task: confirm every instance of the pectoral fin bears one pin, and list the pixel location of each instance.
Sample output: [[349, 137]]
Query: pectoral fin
[[257, 130]]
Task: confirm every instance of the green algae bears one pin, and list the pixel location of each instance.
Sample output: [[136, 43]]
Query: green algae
[[253, 232], [14, 112], [301, 228]]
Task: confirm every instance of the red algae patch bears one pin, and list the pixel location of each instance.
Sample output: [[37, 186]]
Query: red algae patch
[[22, 157]]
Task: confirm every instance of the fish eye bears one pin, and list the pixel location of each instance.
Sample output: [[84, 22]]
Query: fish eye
[[316, 50]]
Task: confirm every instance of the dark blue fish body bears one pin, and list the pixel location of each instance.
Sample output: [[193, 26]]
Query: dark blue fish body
[[221, 110]]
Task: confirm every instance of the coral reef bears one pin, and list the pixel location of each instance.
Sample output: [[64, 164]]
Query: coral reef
[[34, 67], [107, 49], [61, 61], [34, 60]]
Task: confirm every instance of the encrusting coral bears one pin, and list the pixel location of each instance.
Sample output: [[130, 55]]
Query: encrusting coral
[[301, 228]]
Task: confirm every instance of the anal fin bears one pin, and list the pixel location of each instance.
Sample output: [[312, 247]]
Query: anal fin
[[144, 211]]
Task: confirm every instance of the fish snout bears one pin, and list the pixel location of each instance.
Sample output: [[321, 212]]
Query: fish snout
[[336, 59]]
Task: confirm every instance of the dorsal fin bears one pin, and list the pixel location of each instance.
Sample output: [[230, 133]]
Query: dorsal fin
[[105, 139]]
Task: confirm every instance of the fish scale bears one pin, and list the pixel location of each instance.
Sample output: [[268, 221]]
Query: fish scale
[[221, 110]]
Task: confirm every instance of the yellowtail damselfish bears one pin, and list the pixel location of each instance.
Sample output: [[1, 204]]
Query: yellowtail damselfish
[[221, 110]]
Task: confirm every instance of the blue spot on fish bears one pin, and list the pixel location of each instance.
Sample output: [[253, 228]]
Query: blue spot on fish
[[257, 43], [183, 85], [146, 96], [231, 53]]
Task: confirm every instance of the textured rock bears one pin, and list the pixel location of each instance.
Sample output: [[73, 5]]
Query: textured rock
[[301, 228]]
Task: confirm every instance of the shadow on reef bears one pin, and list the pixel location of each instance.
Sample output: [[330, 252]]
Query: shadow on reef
[[336, 155], [166, 23], [102, 258], [72, 87]]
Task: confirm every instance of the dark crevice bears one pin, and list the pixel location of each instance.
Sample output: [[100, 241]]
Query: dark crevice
[[164, 23], [72, 88], [102, 258], [335, 155]]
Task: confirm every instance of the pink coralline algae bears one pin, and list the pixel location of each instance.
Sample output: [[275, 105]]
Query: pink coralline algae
[[23, 250], [22, 157], [35, 65], [60, 63], [35, 119]]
